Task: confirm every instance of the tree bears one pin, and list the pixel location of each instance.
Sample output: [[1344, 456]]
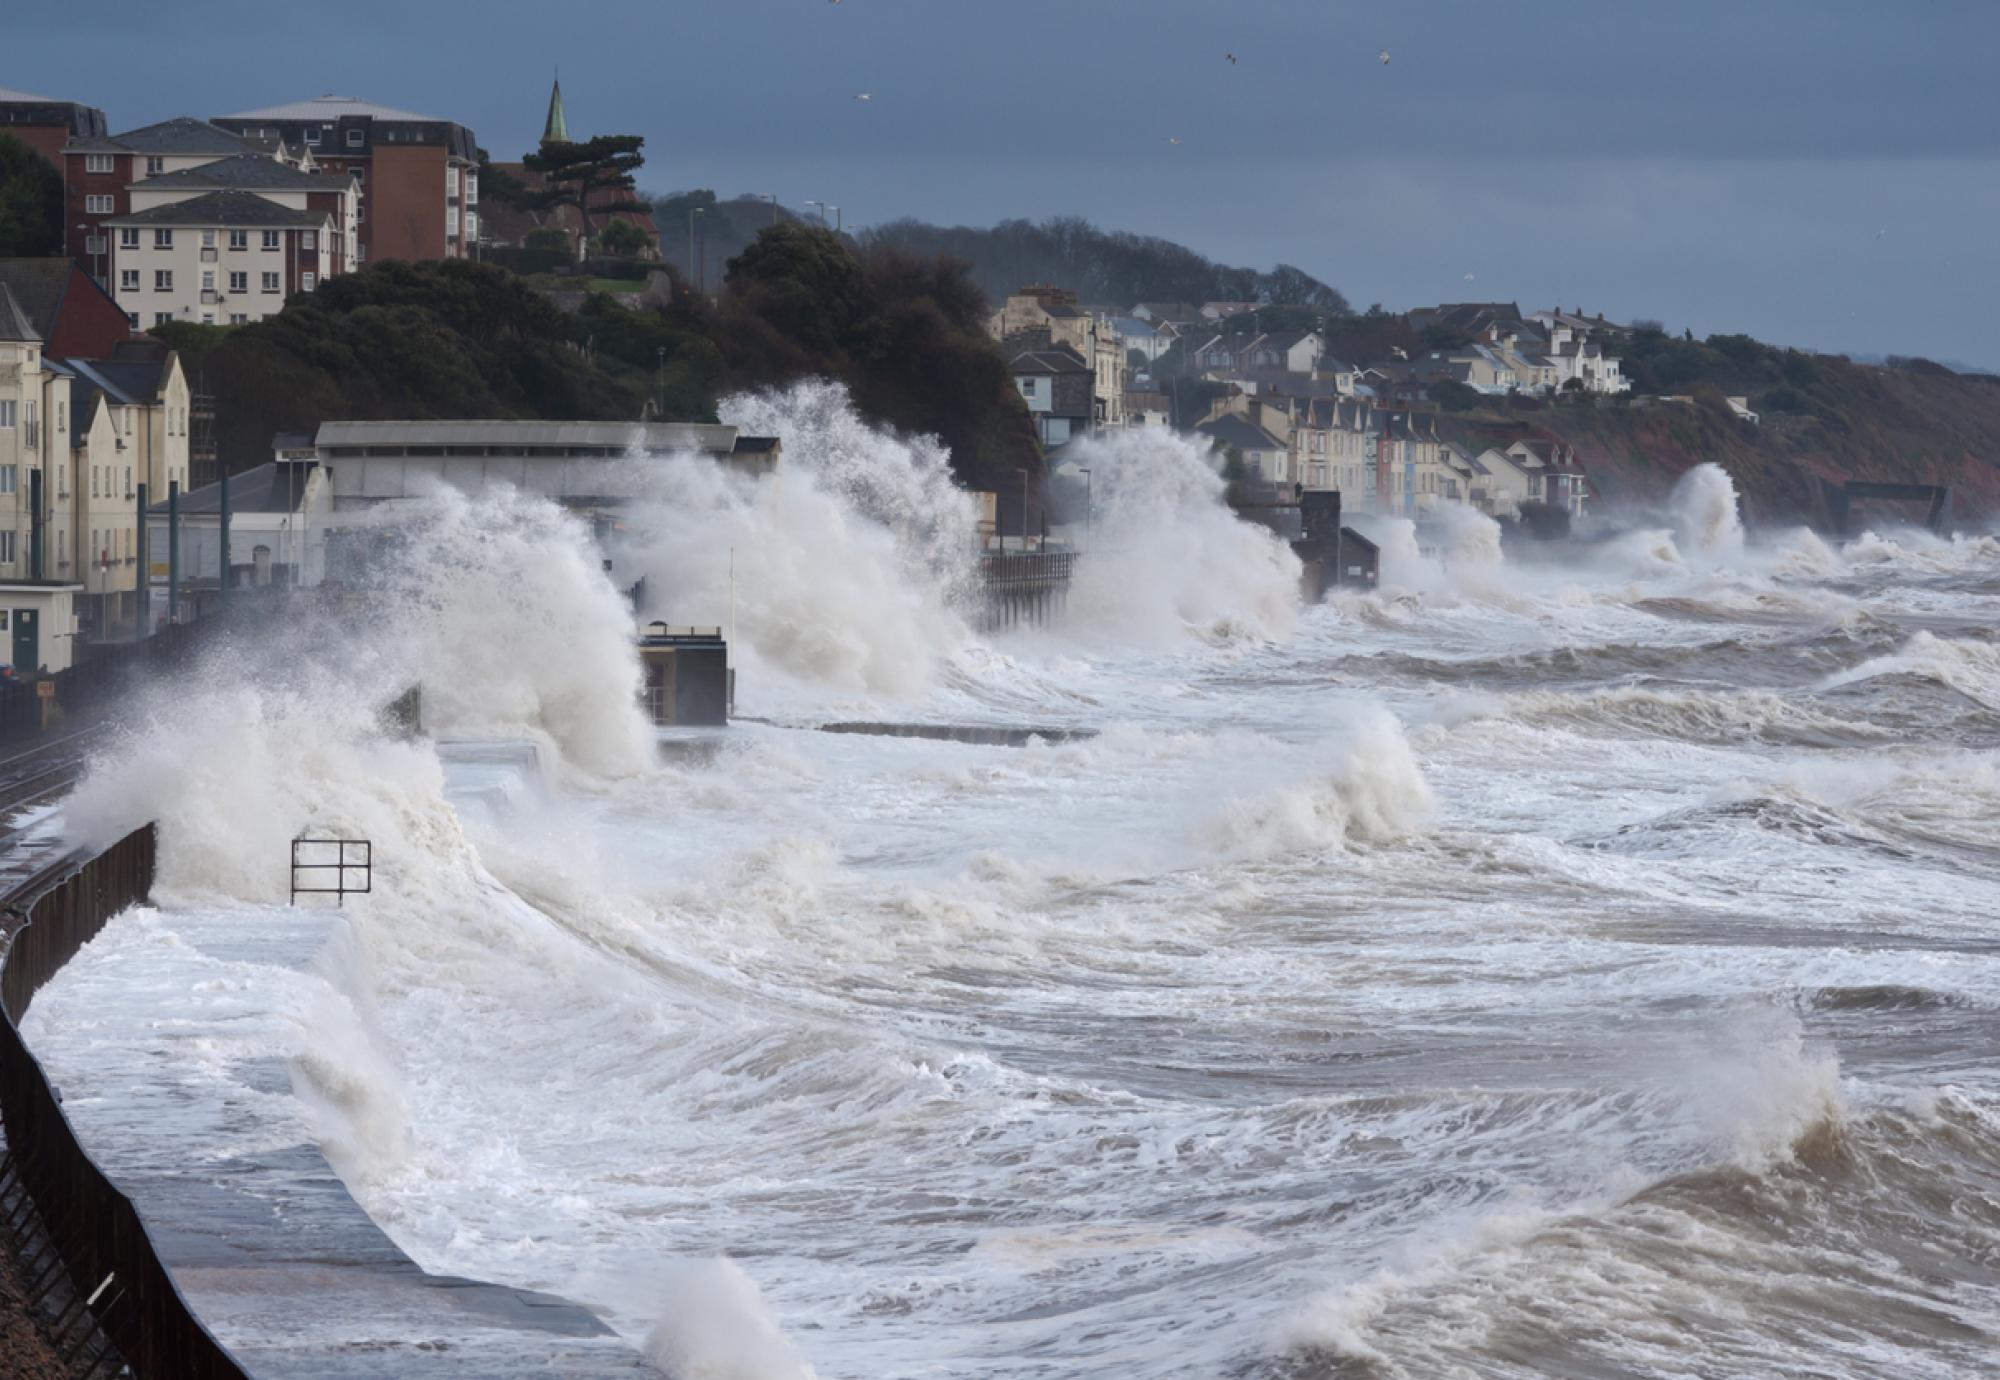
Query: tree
[[594, 176], [30, 202], [624, 239], [807, 284]]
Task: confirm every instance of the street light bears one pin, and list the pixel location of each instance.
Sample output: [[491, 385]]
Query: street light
[[1024, 508], [822, 212], [1086, 508], [773, 198], [660, 399], [836, 218], [693, 211]]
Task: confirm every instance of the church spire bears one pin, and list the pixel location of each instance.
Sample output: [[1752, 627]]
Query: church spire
[[556, 129]]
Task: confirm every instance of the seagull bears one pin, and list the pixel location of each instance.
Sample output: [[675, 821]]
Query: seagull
[[865, 96], [1385, 57], [1173, 140], [1231, 57], [1468, 277]]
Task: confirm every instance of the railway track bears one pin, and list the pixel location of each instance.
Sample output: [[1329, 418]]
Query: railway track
[[41, 774]]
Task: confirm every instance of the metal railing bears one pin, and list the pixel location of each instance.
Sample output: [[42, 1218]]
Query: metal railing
[[91, 1227]]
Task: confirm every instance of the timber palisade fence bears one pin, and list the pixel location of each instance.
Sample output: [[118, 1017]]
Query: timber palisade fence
[[1023, 586], [94, 1229]]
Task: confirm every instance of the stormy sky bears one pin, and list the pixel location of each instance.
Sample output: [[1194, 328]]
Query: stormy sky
[[1815, 172]]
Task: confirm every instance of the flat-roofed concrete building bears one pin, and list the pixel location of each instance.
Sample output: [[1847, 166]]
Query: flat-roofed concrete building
[[575, 463], [46, 125]]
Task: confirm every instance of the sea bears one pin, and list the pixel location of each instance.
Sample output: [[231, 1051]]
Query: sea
[[1569, 961]]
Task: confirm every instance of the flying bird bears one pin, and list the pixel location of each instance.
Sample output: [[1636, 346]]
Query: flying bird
[[1231, 57], [1171, 140], [1468, 277], [1385, 57], [865, 96]]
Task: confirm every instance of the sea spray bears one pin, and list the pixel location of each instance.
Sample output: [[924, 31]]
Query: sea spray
[[844, 568], [496, 607], [1707, 525], [1166, 556], [716, 1326]]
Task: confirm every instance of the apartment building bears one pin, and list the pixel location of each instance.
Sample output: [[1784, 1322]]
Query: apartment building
[[417, 176], [222, 258], [37, 613], [46, 125], [99, 171]]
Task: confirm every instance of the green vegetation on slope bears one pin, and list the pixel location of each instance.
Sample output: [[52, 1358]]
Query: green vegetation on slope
[[456, 339]]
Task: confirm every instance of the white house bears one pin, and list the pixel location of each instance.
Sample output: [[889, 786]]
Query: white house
[[279, 516]]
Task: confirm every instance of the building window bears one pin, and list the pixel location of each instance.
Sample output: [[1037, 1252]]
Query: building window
[[308, 239], [208, 280], [163, 239], [306, 281], [270, 239], [208, 239], [99, 205], [239, 282], [270, 282], [128, 280], [161, 318], [9, 478], [360, 212], [354, 137], [128, 237], [360, 174], [360, 252], [62, 552], [155, 165], [7, 548], [237, 318], [94, 244], [163, 280], [312, 136], [1028, 388], [239, 239], [208, 318], [97, 162]]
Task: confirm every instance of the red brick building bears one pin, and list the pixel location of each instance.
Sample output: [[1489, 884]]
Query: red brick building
[[418, 176], [45, 125]]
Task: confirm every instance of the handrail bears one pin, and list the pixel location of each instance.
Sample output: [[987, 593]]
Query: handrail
[[98, 1232]]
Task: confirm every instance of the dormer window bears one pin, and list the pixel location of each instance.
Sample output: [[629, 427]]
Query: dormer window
[[312, 136], [354, 137]]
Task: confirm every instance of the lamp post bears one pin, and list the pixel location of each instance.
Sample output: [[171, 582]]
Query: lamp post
[[660, 388], [772, 197], [836, 218], [1024, 506], [822, 212], [693, 211], [1086, 508]]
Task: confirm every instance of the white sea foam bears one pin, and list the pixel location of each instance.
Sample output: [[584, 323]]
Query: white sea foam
[[1706, 520]]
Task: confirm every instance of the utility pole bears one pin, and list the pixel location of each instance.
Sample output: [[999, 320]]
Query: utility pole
[[222, 557], [173, 550], [144, 618]]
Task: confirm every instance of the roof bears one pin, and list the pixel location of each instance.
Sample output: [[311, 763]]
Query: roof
[[10, 95], [1050, 359], [183, 134], [609, 436], [227, 208], [1232, 430], [131, 381], [244, 170], [330, 107], [555, 130], [14, 323], [276, 486], [37, 286]]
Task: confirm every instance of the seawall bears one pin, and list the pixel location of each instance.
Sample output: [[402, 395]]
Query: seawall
[[260, 1264]]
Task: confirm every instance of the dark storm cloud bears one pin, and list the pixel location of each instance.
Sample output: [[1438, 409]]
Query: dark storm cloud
[[1679, 156]]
